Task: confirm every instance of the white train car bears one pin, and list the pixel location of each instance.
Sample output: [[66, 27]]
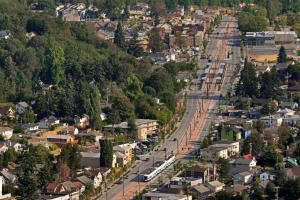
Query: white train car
[[159, 166]]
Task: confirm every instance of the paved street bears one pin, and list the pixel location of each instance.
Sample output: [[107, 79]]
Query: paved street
[[199, 115]]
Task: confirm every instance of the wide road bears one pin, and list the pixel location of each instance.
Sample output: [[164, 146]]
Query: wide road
[[200, 111]]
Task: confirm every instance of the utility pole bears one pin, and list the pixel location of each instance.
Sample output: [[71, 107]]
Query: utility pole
[[276, 195], [123, 183], [153, 161], [139, 180]]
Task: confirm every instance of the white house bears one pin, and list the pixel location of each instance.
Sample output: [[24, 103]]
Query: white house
[[251, 163], [243, 178], [272, 120], [95, 175], [6, 132], [267, 176], [3, 148], [22, 107], [291, 119], [48, 122], [17, 146]]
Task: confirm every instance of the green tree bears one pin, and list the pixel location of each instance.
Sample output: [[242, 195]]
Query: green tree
[[106, 153], [224, 195], [270, 190], [37, 25], [54, 61], [248, 84], [9, 156], [256, 191], [224, 168], [270, 157], [291, 189], [114, 118], [254, 142], [95, 108], [157, 7], [171, 5], [119, 36], [269, 108], [156, 43], [297, 152], [123, 106], [133, 88], [282, 55], [269, 84], [134, 48], [28, 186], [70, 155]]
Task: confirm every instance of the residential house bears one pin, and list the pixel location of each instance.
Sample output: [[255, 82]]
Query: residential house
[[215, 186], [60, 140], [165, 196], [291, 120], [181, 182], [7, 112], [4, 196], [289, 105], [237, 189], [186, 36], [243, 178], [201, 191], [71, 12], [5, 35], [285, 112], [265, 176], [6, 132], [84, 180], [22, 107], [251, 163], [205, 172], [137, 11], [55, 188], [82, 122], [74, 186], [17, 146], [31, 129], [272, 120], [3, 148], [8, 176], [293, 172], [69, 130], [49, 122], [95, 175], [106, 30], [245, 133]]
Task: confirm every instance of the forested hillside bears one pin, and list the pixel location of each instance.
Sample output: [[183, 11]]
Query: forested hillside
[[82, 69]]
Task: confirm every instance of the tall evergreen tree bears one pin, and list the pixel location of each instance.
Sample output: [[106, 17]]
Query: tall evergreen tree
[[119, 36], [248, 84], [54, 61], [282, 55], [106, 153], [95, 108]]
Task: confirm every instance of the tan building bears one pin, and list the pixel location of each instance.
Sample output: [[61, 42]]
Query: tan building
[[123, 154], [222, 149], [144, 127]]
